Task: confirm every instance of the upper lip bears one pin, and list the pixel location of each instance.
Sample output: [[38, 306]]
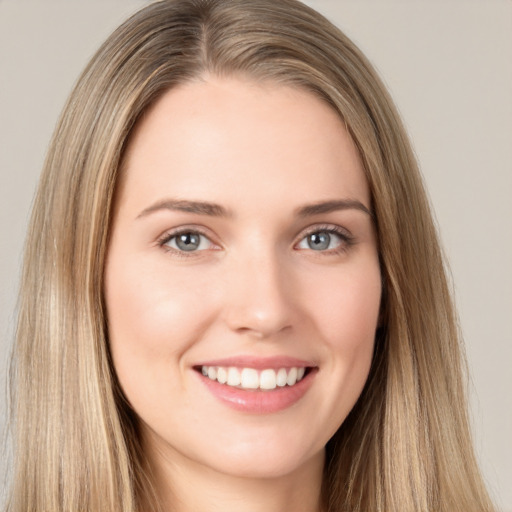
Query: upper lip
[[259, 363]]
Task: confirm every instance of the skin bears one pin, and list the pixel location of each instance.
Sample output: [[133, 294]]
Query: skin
[[254, 287]]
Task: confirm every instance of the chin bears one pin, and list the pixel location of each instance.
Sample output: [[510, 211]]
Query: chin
[[266, 463]]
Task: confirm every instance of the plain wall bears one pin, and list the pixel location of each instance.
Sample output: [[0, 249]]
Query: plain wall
[[448, 65]]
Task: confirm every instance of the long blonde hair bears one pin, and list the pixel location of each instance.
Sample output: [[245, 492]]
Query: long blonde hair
[[406, 444]]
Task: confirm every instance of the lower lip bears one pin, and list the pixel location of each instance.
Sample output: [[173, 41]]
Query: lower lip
[[259, 401]]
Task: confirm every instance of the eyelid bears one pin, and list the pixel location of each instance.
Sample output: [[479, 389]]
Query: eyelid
[[347, 238], [332, 228], [171, 233]]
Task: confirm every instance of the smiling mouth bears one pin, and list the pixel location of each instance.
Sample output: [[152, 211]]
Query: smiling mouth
[[251, 379]]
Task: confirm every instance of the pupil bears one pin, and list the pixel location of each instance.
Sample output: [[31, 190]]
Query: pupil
[[319, 241], [188, 241]]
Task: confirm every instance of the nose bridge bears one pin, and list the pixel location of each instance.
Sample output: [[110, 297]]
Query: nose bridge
[[258, 295]]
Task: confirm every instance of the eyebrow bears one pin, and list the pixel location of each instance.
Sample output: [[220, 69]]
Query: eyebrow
[[332, 206], [197, 207], [216, 210]]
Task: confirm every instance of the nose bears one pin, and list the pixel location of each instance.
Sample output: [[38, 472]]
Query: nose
[[259, 297]]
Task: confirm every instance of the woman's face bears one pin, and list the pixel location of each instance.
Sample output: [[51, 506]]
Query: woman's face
[[242, 278]]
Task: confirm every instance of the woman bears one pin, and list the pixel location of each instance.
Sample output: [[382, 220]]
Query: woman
[[318, 257]]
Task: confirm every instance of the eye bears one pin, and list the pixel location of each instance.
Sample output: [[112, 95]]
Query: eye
[[187, 241], [324, 240]]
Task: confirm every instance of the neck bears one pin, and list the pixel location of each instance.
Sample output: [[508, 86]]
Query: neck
[[184, 486]]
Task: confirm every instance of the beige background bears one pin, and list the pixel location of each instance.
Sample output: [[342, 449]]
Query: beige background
[[448, 65]]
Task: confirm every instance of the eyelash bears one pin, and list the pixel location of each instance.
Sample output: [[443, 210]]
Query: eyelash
[[167, 237], [347, 240]]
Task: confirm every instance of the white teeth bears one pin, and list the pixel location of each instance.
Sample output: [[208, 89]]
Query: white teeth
[[234, 378], [268, 379], [250, 378], [281, 377], [291, 379], [222, 375]]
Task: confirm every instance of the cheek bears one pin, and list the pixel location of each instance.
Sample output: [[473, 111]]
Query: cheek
[[347, 307], [347, 318], [153, 317]]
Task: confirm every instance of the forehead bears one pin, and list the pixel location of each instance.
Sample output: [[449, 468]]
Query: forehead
[[223, 138]]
